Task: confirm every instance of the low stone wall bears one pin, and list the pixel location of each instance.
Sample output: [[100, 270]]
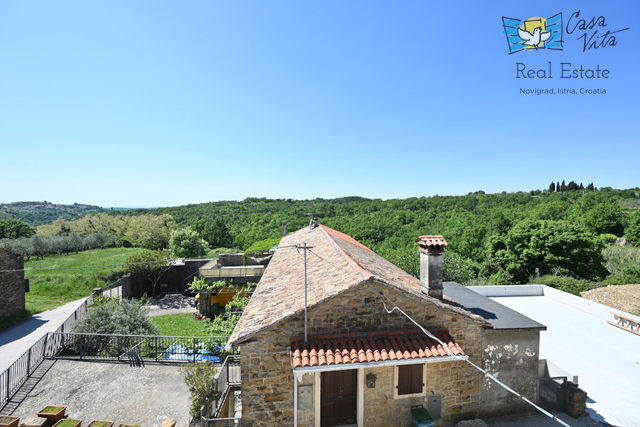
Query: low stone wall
[[576, 402]]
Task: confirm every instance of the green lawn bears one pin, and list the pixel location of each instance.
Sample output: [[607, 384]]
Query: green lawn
[[53, 288], [180, 325]]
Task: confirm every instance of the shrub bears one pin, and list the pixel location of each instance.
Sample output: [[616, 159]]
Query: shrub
[[621, 279], [114, 316], [200, 378], [262, 246], [200, 284], [123, 242]]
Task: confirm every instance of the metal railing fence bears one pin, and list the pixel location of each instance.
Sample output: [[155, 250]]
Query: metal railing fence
[[16, 375], [220, 422], [228, 376], [156, 348]]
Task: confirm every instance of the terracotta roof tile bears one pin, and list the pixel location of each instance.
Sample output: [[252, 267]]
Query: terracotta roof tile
[[432, 240], [367, 348]]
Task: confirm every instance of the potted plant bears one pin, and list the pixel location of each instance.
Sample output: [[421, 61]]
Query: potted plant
[[53, 413], [129, 425], [69, 422], [9, 421], [100, 423]]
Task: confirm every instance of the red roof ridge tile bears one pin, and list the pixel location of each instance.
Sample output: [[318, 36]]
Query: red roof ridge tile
[[346, 256]]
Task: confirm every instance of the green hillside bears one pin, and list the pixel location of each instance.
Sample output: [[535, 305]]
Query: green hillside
[[37, 213]]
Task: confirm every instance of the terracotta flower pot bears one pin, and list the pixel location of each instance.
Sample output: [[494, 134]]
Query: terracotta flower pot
[[53, 413], [100, 423], [9, 421], [69, 422]]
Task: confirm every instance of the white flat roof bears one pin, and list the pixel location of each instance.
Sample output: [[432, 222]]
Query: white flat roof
[[579, 340]]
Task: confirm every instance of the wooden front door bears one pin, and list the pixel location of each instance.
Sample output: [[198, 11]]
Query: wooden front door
[[338, 398]]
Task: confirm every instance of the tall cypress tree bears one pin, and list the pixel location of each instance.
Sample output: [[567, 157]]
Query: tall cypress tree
[[552, 187]]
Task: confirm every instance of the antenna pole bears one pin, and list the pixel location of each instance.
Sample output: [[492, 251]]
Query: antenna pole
[[304, 247]]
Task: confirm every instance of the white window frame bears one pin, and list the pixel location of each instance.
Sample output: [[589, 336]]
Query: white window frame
[[396, 377]]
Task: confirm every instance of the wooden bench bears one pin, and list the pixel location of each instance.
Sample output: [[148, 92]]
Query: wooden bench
[[626, 323]]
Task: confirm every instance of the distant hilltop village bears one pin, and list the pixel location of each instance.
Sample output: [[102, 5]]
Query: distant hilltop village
[[30, 206], [38, 213]]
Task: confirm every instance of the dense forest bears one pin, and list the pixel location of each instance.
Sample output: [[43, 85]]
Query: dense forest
[[567, 231]]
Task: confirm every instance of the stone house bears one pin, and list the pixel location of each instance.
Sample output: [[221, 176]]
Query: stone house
[[322, 345], [12, 285]]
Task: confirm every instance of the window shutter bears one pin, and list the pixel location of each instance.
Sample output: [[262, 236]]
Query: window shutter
[[410, 379], [416, 379], [404, 379]]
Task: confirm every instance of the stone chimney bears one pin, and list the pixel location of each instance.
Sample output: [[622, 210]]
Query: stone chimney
[[431, 254]]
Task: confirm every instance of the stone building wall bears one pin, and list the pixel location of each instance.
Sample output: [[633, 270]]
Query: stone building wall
[[11, 284], [267, 376], [512, 357]]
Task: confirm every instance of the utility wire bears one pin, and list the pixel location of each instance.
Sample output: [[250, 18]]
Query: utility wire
[[448, 350], [87, 266]]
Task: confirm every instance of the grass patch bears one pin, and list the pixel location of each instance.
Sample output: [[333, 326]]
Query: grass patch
[[181, 325], [52, 288]]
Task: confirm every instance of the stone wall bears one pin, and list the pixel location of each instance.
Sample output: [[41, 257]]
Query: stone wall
[[11, 284], [267, 376], [176, 279], [512, 357]]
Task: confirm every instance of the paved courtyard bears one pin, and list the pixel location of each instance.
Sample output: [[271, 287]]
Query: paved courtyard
[[106, 391]]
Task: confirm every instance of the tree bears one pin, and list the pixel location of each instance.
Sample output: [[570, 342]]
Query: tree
[[15, 228], [541, 247], [554, 210], [552, 187], [632, 232], [215, 232], [149, 231], [186, 243], [471, 243], [605, 218], [151, 265]]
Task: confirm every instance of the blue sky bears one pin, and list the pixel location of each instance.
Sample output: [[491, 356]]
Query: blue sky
[[165, 103]]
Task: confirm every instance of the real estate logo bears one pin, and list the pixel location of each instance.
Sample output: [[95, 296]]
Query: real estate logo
[[533, 33], [547, 33]]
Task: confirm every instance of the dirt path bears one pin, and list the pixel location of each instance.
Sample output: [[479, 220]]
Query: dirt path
[[623, 297]]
